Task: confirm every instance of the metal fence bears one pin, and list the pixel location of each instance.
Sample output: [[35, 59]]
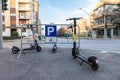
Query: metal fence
[[63, 38], [64, 35]]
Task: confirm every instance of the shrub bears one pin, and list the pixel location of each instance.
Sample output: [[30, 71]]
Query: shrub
[[83, 34], [14, 34], [7, 38]]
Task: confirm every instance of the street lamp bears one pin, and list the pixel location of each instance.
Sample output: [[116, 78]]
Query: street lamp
[[85, 11], [89, 19]]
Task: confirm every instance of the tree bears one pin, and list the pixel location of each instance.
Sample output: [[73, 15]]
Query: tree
[[64, 31], [116, 18]]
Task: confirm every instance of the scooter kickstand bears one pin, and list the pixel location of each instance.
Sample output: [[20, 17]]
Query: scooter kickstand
[[81, 63]]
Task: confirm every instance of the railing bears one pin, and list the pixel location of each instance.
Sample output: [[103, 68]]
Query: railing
[[24, 17], [25, 0], [26, 8]]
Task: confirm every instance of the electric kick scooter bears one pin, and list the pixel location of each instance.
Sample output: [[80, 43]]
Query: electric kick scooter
[[76, 52]]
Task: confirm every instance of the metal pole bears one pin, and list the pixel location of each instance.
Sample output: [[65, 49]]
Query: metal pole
[[105, 27], [67, 36], [105, 22], [1, 38], [21, 44], [87, 14], [89, 20], [86, 33], [118, 32], [74, 44], [79, 37]]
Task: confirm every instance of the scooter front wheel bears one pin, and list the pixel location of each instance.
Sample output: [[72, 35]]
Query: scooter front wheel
[[74, 53], [38, 48]]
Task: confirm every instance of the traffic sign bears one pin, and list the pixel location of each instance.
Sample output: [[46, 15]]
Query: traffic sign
[[50, 30]]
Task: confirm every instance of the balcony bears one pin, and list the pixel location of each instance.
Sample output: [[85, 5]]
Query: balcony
[[101, 26], [24, 17], [97, 17], [25, 1], [24, 9]]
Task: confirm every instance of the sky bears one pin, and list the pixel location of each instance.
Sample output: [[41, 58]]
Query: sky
[[57, 11]]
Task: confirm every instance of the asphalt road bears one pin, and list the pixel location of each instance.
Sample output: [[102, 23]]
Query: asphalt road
[[46, 65], [103, 45]]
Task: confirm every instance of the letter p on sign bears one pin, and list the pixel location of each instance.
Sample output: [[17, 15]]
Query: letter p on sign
[[50, 30]]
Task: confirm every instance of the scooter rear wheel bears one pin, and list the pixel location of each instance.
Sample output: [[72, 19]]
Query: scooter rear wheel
[[15, 50], [94, 64], [94, 67]]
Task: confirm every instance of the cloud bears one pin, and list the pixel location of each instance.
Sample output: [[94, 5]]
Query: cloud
[[87, 9], [92, 4]]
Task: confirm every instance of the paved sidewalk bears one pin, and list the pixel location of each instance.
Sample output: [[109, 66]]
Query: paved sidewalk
[[10, 43], [46, 65]]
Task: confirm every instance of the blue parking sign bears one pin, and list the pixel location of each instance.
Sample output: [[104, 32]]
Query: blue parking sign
[[50, 30]]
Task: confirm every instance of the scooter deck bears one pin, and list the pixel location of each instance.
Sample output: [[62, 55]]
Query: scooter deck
[[83, 59]]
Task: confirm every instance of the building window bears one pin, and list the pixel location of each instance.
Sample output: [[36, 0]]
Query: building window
[[12, 10], [13, 20], [12, 3], [13, 23], [3, 18], [3, 27], [22, 22], [22, 15], [99, 11], [110, 8]]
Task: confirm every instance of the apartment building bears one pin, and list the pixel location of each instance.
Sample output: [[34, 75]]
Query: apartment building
[[103, 16], [19, 12]]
